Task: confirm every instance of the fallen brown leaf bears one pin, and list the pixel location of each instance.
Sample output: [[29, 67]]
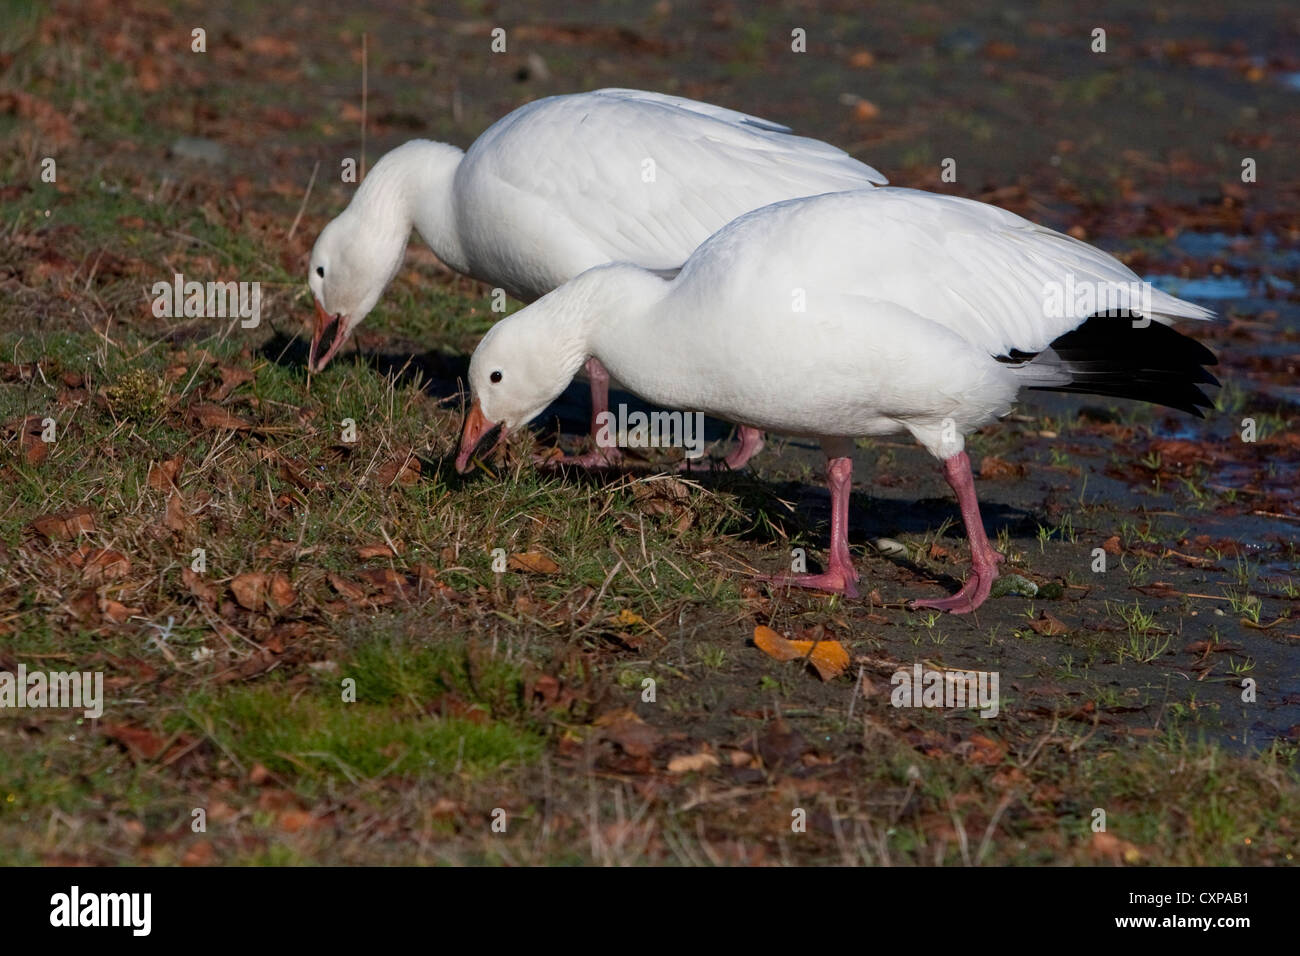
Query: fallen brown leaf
[[630, 732], [200, 854], [1211, 647], [689, 763], [165, 476], [53, 124], [828, 657], [1108, 847], [1178, 452], [864, 110], [231, 378], [295, 472], [84, 606], [175, 518], [23, 371], [250, 590], [533, 561], [206, 593], [256, 591], [116, 612], [346, 588], [385, 579], [65, 524], [143, 744], [444, 807], [452, 705], [401, 471], [29, 431], [666, 496], [985, 750], [282, 593], [214, 416], [993, 469], [101, 564], [291, 821], [1048, 625]]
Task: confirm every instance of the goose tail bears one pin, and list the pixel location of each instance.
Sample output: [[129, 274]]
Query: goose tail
[[1122, 357]]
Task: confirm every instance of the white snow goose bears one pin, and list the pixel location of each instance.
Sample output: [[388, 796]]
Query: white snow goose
[[561, 185], [858, 313]]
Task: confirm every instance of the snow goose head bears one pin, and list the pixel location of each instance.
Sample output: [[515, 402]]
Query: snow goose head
[[352, 263], [358, 253], [527, 359], [522, 365]]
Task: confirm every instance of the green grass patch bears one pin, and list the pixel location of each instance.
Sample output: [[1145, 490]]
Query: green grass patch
[[315, 736], [398, 724]]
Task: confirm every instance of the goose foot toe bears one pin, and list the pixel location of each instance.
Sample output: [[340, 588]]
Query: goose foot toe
[[972, 594], [834, 581]]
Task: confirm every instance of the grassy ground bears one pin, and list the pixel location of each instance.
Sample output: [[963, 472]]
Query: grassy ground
[[304, 637]]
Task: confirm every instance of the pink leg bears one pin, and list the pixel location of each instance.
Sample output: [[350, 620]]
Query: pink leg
[[839, 575], [599, 392], [598, 457], [984, 560], [750, 444]]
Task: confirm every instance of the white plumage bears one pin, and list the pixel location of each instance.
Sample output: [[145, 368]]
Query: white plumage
[[856, 313], [561, 185], [571, 182], [881, 306]]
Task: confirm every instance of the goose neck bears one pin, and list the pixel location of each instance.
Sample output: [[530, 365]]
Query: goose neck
[[414, 184]]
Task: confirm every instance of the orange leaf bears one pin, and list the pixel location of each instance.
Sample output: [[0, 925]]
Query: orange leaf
[[828, 657]]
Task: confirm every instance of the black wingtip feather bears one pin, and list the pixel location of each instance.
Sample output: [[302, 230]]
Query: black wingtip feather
[[1108, 355]]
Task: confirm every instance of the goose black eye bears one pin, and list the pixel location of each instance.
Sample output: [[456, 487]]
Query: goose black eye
[[495, 376], [320, 271]]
